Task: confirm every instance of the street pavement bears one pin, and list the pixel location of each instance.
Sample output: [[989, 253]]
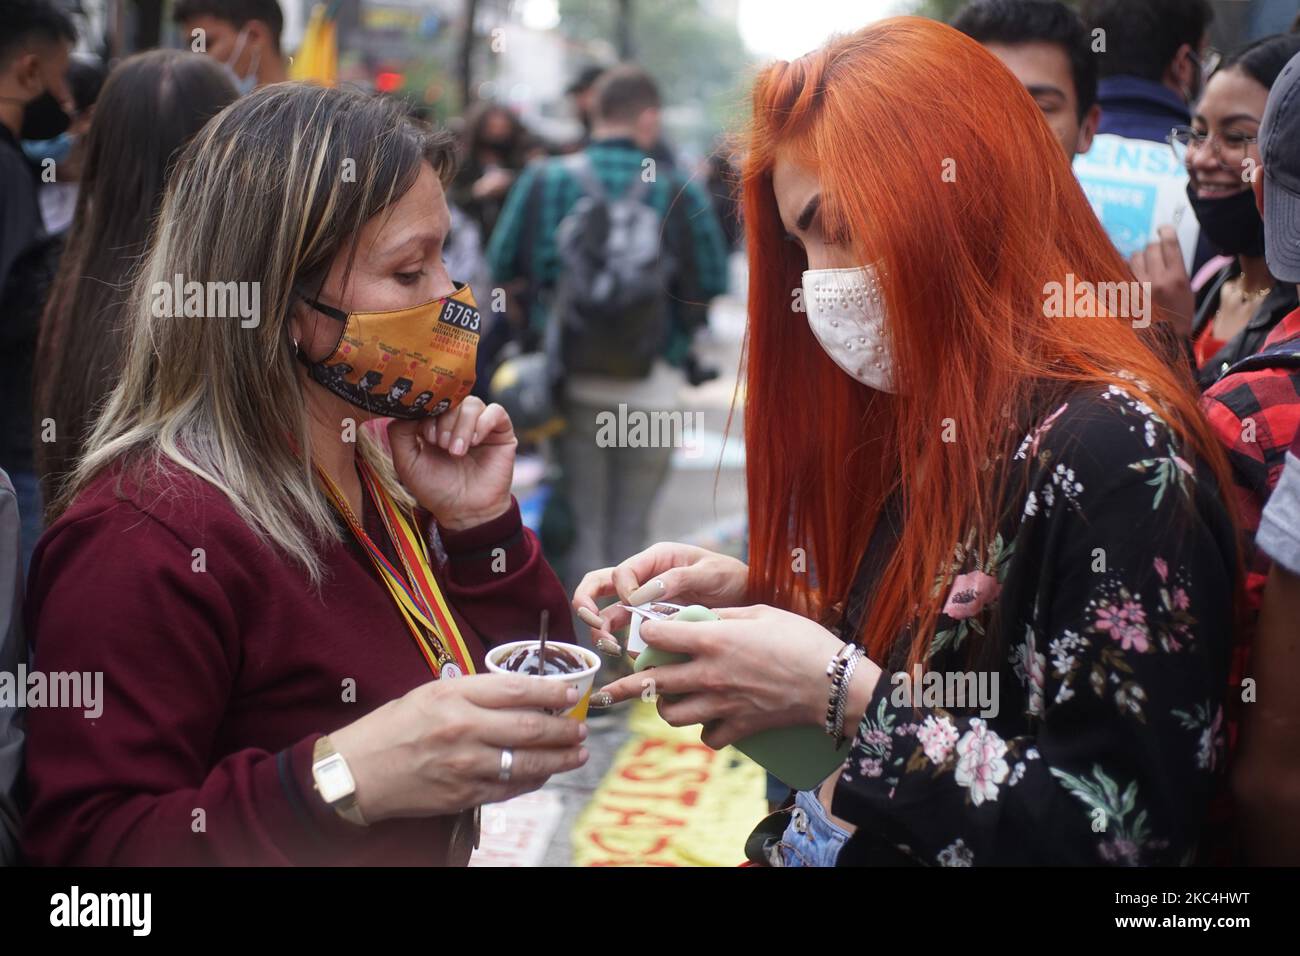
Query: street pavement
[[702, 501]]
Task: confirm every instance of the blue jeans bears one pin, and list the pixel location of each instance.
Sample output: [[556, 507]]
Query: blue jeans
[[811, 839]]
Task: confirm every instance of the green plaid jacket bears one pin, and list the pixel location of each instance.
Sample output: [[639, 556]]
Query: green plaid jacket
[[523, 243]]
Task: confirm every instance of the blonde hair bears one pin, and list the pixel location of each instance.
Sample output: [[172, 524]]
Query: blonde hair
[[260, 195]]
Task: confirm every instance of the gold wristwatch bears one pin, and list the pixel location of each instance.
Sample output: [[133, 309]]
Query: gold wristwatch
[[334, 782]]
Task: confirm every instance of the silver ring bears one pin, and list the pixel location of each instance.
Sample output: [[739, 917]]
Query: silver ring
[[507, 764]]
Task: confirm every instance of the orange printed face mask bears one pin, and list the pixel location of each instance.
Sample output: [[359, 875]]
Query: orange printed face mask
[[410, 363]]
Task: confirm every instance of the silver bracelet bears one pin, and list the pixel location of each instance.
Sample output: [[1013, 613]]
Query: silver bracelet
[[842, 697], [843, 667]]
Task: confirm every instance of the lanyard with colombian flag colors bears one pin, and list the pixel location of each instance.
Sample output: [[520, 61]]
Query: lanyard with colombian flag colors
[[416, 594]]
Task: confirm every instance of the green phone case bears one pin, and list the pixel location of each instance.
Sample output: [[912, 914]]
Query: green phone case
[[800, 757]]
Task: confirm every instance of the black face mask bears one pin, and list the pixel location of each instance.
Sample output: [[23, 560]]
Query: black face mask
[[1232, 223], [43, 118]]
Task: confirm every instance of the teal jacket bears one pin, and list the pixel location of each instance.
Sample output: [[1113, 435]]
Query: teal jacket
[[523, 244]]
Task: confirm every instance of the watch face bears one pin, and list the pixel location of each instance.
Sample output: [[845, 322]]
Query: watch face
[[333, 779]]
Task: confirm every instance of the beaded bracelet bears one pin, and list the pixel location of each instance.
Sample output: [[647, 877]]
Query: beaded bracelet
[[835, 671]]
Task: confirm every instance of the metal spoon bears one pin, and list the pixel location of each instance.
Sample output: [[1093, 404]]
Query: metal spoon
[[541, 651]]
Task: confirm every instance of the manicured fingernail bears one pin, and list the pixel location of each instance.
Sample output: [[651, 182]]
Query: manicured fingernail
[[459, 447], [647, 592], [600, 700], [582, 731], [570, 694], [444, 439], [590, 618], [609, 648], [583, 754]]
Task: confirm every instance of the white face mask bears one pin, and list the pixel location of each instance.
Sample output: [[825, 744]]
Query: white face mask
[[846, 311], [244, 84]]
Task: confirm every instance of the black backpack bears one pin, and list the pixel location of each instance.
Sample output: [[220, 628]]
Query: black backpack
[[611, 307]]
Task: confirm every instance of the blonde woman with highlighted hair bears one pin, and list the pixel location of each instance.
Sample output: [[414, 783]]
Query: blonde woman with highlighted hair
[[290, 609]]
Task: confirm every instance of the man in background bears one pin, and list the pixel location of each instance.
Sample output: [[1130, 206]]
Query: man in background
[[1154, 64], [612, 488], [36, 42], [35, 48], [1045, 44], [1153, 59], [242, 35]]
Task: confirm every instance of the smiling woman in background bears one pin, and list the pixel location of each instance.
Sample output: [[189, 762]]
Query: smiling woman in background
[[1234, 310], [278, 607]]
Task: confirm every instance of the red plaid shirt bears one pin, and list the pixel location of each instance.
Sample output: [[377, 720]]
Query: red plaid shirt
[[1256, 415]]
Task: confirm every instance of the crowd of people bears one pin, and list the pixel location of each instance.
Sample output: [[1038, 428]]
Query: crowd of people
[[258, 443]]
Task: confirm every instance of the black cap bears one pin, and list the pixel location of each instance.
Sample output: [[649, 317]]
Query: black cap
[[1279, 146]]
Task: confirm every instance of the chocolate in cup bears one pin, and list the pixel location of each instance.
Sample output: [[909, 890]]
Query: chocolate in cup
[[574, 665]]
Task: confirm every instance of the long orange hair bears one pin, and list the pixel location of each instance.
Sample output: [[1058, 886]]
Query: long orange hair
[[937, 165]]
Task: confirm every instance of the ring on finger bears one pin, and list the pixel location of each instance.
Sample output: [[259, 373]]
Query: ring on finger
[[507, 764]]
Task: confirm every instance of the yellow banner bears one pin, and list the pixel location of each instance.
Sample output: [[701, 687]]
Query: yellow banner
[[668, 800]]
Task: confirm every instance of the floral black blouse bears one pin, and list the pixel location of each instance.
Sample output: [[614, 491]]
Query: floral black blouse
[[1107, 605]]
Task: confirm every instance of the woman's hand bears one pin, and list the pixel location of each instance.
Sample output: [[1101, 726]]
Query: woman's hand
[[1161, 264], [680, 573], [458, 466], [757, 668], [437, 750]]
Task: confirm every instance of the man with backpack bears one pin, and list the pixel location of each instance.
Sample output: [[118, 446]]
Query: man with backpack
[[616, 258]]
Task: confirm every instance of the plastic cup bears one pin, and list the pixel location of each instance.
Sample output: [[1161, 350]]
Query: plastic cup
[[582, 679]]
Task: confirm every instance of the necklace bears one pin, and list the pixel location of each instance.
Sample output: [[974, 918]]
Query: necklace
[[1239, 288]]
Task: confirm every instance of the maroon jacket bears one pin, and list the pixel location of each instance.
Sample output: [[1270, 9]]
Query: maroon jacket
[[217, 683]]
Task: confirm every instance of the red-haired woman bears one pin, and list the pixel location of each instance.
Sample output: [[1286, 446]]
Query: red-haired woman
[[989, 479]]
